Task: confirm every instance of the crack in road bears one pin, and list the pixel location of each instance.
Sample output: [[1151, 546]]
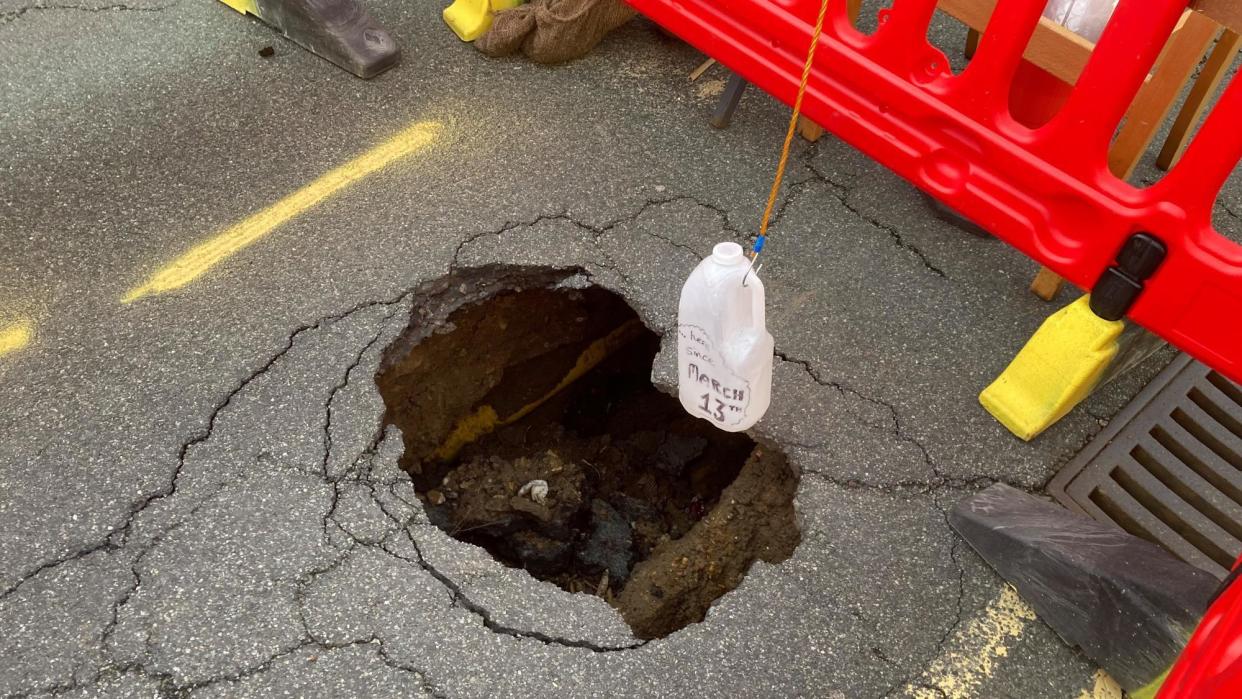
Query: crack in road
[[908, 680], [793, 190], [334, 480], [961, 587], [122, 529], [505, 228], [720, 212], [170, 689], [841, 192], [460, 598], [940, 480], [427, 684], [457, 596], [598, 231], [233, 678], [117, 537], [897, 430], [17, 13], [935, 486], [357, 360], [262, 667]]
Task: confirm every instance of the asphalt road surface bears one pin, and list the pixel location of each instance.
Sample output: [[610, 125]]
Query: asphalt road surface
[[199, 273]]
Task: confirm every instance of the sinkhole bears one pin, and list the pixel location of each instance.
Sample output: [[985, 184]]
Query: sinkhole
[[532, 430]]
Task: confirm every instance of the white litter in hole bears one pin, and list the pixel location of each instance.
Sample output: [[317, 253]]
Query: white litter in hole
[[537, 490]]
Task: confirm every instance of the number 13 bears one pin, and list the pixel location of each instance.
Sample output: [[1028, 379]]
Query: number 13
[[706, 407]]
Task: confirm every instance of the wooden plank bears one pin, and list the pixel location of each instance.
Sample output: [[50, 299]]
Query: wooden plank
[[1047, 284], [698, 72], [1226, 12], [809, 129], [1155, 100], [1205, 87], [1052, 47], [1065, 54]]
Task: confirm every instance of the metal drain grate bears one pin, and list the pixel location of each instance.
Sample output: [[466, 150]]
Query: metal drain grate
[[1168, 468]]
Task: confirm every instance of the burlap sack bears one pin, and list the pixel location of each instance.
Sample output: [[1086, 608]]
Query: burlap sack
[[553, 31]]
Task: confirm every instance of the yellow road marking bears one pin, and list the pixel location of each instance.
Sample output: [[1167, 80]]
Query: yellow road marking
[[243, 6], [1105, 687], [15, 336], [202, 257], [970, 657], [1151, 689]]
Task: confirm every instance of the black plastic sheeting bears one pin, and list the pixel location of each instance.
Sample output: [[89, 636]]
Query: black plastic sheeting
[[1127, 603]]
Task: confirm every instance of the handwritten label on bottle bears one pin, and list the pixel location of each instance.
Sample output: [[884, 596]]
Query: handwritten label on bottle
[[722, 396]]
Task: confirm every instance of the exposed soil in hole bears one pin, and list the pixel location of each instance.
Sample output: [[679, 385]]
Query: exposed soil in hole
[[532, 429]]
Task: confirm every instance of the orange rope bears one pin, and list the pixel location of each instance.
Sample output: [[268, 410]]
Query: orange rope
[[793, 124]]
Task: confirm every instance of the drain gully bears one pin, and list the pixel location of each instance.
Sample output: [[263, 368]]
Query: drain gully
[[1168, 468]]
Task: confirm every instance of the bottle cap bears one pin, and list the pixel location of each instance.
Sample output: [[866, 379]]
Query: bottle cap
[[728, 254]]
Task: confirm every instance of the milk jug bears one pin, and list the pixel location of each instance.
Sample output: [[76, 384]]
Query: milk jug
[[724, 352]]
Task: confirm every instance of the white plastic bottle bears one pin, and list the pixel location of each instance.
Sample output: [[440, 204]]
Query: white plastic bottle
[[724, 351]]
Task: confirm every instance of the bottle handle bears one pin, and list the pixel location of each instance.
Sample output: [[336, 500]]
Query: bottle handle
[[758, 315]]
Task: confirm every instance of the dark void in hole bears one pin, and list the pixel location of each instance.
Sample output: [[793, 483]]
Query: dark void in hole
[[653, 510]]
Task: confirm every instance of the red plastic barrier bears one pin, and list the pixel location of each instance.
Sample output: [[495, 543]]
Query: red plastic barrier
[[1210, 666], [1048, 191]]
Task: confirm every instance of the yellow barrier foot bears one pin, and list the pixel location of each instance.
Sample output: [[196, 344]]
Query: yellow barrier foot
[[1059, 366], [470, 19]]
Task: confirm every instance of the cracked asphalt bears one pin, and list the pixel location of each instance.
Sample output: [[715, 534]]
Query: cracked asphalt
[[197, 497]]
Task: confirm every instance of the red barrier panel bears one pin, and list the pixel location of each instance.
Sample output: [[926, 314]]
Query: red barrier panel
[[1210, 667], [1048, 191]]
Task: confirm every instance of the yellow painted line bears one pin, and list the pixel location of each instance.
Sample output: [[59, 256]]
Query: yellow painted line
[[202, 257], [1151, 689], [243, 6], [16, 336], [1104, 687], [971, 655]]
